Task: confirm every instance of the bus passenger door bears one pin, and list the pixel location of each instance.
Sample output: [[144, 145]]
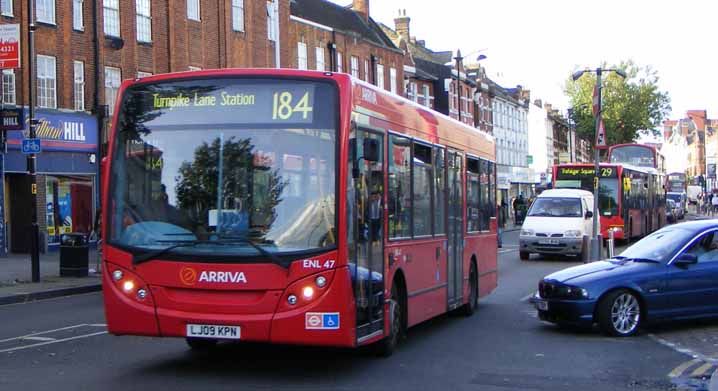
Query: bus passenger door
[[365, 230], [455, 230]]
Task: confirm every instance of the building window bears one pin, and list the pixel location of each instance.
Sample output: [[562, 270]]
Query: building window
[[366, 70], [144, 21], [8, 86], [79, 85], [411, 92], [141, 74], [340, 62], [271, 25], [193, 9], [45, 11], [238, 15], [78, 22], [392, 80], [355, 66], [380, 76], [111, 12], [301, 55], [112, 85], [46, 82], [6, 7], [427, 97], [319, 53]]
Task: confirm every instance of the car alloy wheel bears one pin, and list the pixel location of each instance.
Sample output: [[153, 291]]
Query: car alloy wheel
[[619, 313]]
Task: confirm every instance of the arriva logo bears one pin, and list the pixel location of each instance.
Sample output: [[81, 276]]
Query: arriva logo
[[233, 277]]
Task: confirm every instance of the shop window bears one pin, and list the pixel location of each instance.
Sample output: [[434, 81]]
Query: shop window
[[422, 174], [399, 187]]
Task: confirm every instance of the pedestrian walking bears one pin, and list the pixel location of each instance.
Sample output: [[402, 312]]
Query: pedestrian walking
[[714, 203]]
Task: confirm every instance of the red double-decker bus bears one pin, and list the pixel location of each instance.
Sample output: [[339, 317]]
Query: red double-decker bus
[[293, 207], [631, 199]]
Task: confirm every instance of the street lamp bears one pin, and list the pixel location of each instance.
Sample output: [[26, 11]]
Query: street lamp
[[597, 239], [459, 60]]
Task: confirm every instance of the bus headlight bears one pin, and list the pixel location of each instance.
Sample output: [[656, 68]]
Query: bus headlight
[[130, 285], [306, 290], [321, 281]]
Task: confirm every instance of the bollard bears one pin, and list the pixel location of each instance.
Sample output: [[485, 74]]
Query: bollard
[[585, 242], [610, 243]]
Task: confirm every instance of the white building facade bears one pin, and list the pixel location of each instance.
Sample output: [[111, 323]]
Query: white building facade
[[540, 139], [510, 125]]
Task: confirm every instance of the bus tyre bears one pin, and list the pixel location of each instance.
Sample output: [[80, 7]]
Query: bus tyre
[[469, 308], [524, 256], [387, 346], [619, 313], [201, 344]]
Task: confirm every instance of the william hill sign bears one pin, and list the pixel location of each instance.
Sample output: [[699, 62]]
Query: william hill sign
[[60, 131], [12, 119]]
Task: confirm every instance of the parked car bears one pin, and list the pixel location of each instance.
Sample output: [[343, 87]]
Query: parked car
[[556, 223], [670, 274], [681, 203], [671, 211]]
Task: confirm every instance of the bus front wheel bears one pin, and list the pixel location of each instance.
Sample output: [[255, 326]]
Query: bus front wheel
[[387, 346]]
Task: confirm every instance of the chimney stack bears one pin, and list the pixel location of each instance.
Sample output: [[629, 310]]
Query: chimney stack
[[402, 25], [362, 8]]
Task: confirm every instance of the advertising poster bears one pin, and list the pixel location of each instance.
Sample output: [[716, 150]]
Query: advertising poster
[[64, 206]]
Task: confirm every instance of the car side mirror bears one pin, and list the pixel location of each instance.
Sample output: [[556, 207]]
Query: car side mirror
[[589, 214], [686, 259]]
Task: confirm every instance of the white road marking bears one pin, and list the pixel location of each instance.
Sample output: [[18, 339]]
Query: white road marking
[[41, 339], [527, 297], [42, 332], [506, 251], [52, 342], [683, 350]]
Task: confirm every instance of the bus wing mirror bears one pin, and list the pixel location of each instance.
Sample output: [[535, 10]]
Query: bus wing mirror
[[589, 214], [371, 150]]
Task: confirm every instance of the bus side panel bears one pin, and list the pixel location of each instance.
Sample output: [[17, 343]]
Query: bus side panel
[[425, 277], [486, 252]]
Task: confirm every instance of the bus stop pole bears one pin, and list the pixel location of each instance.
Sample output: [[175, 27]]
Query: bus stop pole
[[596, 239]]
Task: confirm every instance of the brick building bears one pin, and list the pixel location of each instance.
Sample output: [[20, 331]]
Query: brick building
[[701, 137], [329, 37]]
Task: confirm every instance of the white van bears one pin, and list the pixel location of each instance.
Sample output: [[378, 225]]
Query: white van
[[556, 223]]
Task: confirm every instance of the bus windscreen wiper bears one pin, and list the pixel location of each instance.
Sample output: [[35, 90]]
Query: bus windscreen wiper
[[137, 259]]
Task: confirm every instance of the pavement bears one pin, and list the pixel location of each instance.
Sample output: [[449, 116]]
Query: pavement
[[16, 284]]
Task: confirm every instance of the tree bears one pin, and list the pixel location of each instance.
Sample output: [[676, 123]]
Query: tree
[[248, 185], [630, 108]]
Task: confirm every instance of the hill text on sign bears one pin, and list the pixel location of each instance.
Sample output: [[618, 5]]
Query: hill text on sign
[[9, 46]]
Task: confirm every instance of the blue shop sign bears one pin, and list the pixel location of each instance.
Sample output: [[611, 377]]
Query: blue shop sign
[[60, 131]]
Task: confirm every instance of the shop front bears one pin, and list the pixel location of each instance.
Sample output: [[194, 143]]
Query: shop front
[[67, 196]]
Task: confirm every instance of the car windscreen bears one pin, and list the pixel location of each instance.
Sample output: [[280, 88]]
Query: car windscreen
[[556, 207]]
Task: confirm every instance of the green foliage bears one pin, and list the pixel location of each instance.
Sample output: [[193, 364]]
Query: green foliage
[[630, 108]]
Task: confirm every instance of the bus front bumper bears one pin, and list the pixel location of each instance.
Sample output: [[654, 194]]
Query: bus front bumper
[[160, 317]]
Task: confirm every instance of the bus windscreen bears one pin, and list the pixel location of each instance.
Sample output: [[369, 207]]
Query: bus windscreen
[[233, 168], [582, 178]]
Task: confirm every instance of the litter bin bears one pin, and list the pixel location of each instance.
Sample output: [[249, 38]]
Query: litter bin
[[74, 255]]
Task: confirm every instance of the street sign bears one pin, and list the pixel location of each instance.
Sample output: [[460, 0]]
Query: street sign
[[601, 135], [31, 145], [9, 46], [12, 119]]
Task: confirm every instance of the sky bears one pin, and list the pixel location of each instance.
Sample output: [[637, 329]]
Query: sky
[[538, 43]]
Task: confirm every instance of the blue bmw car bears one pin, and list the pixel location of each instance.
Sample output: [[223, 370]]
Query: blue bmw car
[[670, 274]]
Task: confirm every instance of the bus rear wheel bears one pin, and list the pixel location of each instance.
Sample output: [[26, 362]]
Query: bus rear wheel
[[201, 344]]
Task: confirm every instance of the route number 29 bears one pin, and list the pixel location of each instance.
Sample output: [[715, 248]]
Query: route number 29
[[606, 172], [284, 109]]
